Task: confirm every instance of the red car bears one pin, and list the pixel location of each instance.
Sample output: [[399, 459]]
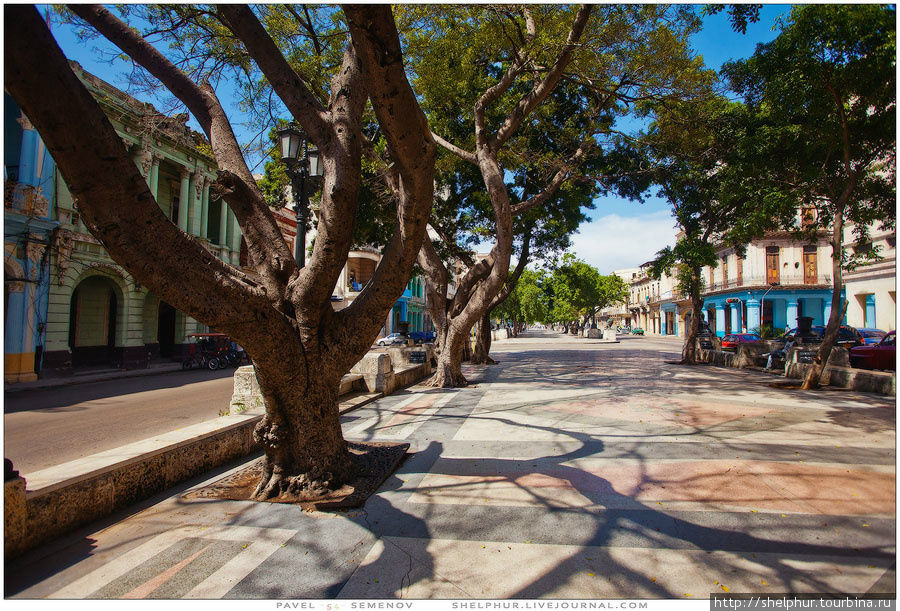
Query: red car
[[733, 340], [882, 355]]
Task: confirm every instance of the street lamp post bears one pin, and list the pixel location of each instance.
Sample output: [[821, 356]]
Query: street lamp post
[[302, 161], [762, 306]]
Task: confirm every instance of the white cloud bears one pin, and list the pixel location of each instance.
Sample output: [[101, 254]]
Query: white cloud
[[614, 242]]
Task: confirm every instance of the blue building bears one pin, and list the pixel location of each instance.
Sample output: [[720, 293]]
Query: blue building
[[777, 281], [28, 181]]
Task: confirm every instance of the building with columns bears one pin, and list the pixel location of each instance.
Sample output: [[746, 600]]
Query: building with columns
[[98, 315], [28, 226], [871, 288], [777, 280]]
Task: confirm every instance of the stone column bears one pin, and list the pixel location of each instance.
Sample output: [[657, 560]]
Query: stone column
[[154, 177], [235, 235], [791, 312], [204, 210], [720, 319], [753, 314], [27, 152], [736, 317], [195, 197], [183, 197], [223, 223]]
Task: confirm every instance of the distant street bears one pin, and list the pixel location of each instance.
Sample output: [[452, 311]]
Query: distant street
[[48, 427]]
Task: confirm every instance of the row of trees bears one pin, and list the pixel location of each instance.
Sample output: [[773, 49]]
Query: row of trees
[[810, 150], [488, 124], [569, 292]]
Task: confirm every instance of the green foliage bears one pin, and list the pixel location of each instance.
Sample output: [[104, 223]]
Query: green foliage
[[822, 97], [529, 302], [578, 290]]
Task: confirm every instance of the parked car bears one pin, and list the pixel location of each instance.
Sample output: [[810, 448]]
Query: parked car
[[394, 339], [637, 331], [848, 336], [870, 336], [882, 355], [733, 340], [422, 337]]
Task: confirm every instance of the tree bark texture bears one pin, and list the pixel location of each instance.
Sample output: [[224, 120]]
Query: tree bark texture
[[689, 352], [480, 355], [281, 315], [813, 377]]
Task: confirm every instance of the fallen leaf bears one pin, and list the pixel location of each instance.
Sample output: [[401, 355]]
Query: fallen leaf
[[725, 588], [865, 525], [591, 574], [686, 594], [653, 579], [764, 582]]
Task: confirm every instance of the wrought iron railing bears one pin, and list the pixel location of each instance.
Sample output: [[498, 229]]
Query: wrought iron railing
[[25, 199], [783, 280]]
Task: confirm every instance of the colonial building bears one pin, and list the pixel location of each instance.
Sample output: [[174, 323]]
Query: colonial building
[[871, 288], [28, 225], [776, 281], [99, 315]]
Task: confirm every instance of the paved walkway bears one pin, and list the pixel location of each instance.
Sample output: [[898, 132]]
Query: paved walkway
[[572, 469]]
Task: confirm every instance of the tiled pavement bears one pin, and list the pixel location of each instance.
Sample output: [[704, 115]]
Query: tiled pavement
[[572, 469]]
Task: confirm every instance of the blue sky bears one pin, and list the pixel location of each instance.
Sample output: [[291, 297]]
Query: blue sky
[[622, 233]]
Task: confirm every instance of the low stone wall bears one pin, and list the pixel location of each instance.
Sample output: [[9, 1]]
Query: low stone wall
[[57, 500], [62, 498], [837, 372]]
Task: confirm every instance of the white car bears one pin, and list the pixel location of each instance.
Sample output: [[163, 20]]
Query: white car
[[393, 339]]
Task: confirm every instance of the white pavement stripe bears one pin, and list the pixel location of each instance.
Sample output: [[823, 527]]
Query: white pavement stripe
[[368, 423], [419, 419], [232, 572], [267, 540]]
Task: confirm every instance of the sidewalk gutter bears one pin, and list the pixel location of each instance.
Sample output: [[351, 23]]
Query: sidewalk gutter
[[88, 378]]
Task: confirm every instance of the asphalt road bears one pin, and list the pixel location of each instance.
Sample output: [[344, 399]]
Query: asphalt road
[[43, 428]]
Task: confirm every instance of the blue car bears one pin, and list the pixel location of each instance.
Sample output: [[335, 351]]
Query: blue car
[[422, 337]]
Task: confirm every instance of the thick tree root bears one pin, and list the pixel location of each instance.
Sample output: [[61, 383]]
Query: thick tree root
[[480, 359], [446, 379], [316, 482]]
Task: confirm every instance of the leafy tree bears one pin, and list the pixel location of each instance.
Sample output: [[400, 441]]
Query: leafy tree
[[823, 93], [700, 151], [511, 62], [281, 314], [580, 291]]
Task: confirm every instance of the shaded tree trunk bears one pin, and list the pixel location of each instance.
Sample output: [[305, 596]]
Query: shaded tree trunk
[[838, 307], [281, 315], [689, 352], [481, 355]]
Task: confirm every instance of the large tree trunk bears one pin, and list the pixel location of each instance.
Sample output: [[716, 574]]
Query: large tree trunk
[[837, 307], [305, 451], [481, 355], [689, 352], [448, 372]]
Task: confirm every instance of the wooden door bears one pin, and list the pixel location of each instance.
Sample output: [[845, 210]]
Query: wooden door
[[771, 264], [810, 266]]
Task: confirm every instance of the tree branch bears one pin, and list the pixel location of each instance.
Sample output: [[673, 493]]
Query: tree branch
[[292, 90], [113, 196], [543, 88], [459, 152], [268, 248]]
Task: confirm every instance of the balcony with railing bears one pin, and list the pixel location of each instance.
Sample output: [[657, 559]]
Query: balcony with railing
[[25, 199], [784, 280]]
